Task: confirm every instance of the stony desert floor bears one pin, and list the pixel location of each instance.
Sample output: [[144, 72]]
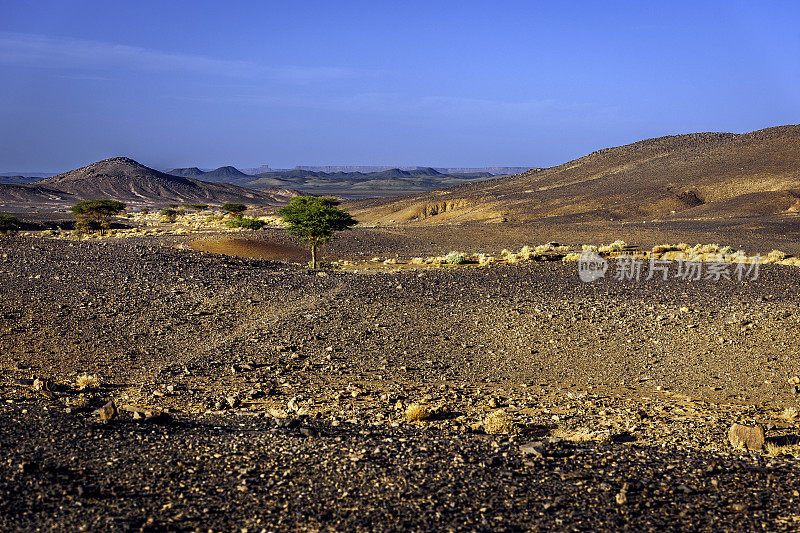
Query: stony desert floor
[[256, 395]]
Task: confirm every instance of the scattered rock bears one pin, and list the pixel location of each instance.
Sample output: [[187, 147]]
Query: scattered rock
[[533, 448], [108, 411]]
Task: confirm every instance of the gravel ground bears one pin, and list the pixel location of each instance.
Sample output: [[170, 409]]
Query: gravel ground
[[278, 396]]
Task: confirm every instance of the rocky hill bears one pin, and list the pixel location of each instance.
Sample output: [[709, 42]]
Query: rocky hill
[[347, 184], [698, 175], [226, 174], [391, 182], [126, 180]]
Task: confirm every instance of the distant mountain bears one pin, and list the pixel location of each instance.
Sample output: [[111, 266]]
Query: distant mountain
[[124, 179], [691, 176], [191, 172], [17, 179], [226, 174], [368, 169], [386, 182], [257, 170], [389, 182]]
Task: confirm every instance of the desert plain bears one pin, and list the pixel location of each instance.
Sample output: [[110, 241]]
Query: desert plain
[[154, 383]]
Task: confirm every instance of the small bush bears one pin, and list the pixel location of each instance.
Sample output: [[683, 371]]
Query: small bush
[[498, 422], [775, 256], [664, 248], [417, 412], [455, 258], [245, 223], [234, 208], [8, 224], [196, 207], [170, 215], [614, 247], [87, 381]]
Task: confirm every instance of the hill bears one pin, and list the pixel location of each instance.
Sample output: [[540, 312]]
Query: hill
[[16, 180], [126, 180], [391, 182], [191, 172], [698, 175], [353, 184]]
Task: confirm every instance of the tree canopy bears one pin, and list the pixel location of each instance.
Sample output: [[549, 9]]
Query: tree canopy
[[8, 224], [234, 208], [94, 214], [315, 220]]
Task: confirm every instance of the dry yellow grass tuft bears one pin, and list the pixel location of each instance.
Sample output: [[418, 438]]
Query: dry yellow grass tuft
[[772, 449], [581, 435], [498, 422], [87, 381], [774, 256], [614, 247], [416, 412]]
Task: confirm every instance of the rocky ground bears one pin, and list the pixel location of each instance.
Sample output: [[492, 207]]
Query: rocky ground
[[258, 395]]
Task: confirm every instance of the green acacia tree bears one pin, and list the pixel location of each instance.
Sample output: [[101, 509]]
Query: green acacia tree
[[315, 220], [234, 208], [94, 214], [8, 225]]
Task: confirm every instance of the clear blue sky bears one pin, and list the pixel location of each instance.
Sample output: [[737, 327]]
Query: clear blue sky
[[461, 83]]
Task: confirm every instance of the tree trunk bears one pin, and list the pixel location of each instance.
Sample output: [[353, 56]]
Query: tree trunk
[[314, 256]]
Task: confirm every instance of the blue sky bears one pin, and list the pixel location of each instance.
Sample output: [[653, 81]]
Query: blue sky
[[441, 83]]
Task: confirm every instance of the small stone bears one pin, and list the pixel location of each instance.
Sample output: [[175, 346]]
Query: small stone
[[291, 405], [533, 448], [308, 432], [157, 417], [746, 437], [108, 411]]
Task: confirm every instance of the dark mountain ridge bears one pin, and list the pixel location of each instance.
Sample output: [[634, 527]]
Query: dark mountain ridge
[[126, 180], [383, 183]]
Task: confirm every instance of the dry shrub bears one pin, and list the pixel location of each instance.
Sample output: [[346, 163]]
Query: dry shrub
[[581, 435], [614, 247], [498, 422], [663, 248], [416, 412], [773, 449], [526, 252], [484, 259], [87, 381], [455, 258], [774, 256]]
